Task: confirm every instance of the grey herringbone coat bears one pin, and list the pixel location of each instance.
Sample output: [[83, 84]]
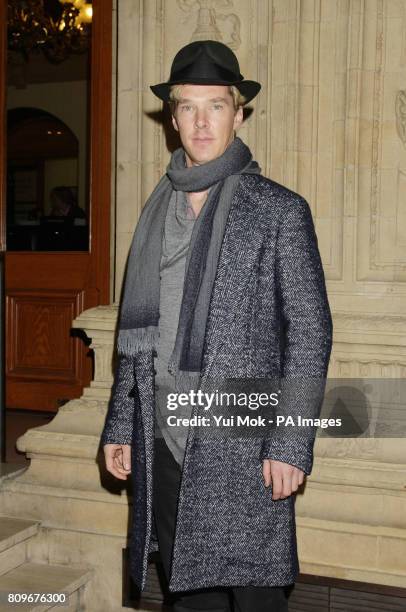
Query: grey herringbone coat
[[269, 316]]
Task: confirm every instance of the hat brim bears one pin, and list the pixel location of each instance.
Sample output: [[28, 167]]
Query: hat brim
[[249, 89]]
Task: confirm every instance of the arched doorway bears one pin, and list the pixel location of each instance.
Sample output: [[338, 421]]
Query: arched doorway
[[47, 203]]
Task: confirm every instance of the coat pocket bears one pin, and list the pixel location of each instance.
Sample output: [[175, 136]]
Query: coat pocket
[[258, 525]]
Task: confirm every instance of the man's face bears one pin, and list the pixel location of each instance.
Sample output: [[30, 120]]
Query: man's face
[[205, 119]]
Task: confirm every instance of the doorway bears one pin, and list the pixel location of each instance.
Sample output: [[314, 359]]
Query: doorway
[[55, 173]]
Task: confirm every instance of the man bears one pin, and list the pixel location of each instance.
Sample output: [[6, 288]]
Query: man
[[224, 281]]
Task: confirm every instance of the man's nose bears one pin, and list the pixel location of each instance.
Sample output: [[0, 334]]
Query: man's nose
[[200, 119]]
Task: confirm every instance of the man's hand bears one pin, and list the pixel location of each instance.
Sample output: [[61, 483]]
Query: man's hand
[[118, 459], [285, 478]]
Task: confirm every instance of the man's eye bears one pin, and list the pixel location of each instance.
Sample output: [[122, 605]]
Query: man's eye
[[185, 107], [217, 106]]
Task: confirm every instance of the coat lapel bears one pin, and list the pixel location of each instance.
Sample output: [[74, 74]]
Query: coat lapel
[[236, 269]]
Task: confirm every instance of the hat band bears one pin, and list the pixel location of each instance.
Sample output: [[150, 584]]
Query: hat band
[[213, 72]]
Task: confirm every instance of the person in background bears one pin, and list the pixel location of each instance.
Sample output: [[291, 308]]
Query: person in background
[[64, 204]]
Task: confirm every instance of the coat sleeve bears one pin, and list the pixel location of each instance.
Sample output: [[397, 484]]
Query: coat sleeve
[[306, 326], [118, 426]]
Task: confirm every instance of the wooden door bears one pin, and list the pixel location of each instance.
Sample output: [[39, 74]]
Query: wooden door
[[45, 290]]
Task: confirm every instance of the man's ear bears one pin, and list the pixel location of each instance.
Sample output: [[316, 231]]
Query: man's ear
[[175, 123], [238, 118]]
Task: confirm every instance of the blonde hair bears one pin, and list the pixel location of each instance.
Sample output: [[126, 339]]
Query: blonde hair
[[175, 93]]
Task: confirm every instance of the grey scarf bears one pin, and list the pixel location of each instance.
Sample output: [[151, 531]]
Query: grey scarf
[[139, 312]]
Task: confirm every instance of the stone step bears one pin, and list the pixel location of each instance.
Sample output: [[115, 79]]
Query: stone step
[[14, 534], [44, 578], [15, 530]]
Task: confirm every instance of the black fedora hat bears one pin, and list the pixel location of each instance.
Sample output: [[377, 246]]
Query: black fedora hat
[[206, 62]]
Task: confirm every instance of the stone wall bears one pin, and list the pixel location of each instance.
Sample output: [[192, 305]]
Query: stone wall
[[330, 122]]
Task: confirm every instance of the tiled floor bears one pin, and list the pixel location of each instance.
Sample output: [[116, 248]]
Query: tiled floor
[[17, 423]]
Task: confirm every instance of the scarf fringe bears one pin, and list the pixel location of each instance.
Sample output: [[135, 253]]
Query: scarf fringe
[[132, 341]]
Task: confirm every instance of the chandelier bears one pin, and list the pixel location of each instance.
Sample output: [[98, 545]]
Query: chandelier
[[55, 27]]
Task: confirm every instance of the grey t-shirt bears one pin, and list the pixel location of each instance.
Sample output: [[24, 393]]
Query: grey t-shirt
[[178, 229]]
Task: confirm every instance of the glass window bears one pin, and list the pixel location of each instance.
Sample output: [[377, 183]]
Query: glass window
[[47, 128]]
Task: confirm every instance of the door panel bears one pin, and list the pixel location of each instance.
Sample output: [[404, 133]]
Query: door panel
[[45, 363]]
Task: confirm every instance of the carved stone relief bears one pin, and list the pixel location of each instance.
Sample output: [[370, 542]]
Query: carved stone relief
[[381, 254], [208, 18], [400, 109]]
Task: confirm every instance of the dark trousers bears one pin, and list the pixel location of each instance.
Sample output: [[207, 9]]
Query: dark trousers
[[246, 599]]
